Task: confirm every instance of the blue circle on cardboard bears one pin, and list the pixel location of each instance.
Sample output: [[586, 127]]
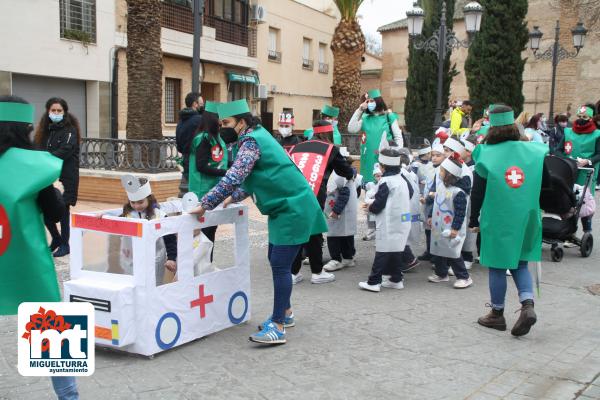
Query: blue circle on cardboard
[[233, 319], [161, 344]]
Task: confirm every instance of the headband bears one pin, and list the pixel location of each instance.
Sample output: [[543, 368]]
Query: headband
[[469, 146], [387, 160], [16, 112], [424, 151], [438, 147], [323, 129], [502, 119], [454, 145], [452, 168]]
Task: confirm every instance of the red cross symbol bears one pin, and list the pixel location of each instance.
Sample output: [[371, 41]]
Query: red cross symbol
[[216, 153], [202, 301], [568, 147], [514, 177], [4, 230], [331, 203], [479, 138], [363, 138]]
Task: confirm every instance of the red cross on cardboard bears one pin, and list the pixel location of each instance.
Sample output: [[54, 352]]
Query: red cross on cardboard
[[202, 301], [568, 147], [216, 153], [363, 138], [4, 230], [514, 177]]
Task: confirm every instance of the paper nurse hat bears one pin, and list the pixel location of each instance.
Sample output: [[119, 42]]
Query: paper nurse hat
[[387, 160], [373, 93], [135, 190], [330, 111], [286, 118], [212, 107], [468, 146], [454, 145], [323, 129], [423, 151], [233, 108], [585, 110], [16, 112], [377, 169], [501, 119], [452, 168], [438, 148]]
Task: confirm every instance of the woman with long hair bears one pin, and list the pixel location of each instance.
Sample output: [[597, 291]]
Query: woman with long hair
[[58, 132]]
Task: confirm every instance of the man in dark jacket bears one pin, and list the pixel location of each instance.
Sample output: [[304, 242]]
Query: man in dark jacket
[[189, 120]]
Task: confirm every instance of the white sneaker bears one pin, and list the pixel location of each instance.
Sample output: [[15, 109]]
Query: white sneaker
[[333, 265], [463, 283], [450, 271], [469, 264], [370, 288], [508, 272], [323, 277], [306, 261], [296, 279], [385, 278], [392, 285], [348, 263], [437, 279]]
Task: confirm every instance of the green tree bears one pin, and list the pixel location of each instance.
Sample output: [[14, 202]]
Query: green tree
[[421, 85], [494, 67]]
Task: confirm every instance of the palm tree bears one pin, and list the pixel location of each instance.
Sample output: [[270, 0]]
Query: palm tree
[[348, 46], [144, 69]]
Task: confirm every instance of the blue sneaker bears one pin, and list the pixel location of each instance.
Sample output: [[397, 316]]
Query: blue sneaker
[[288, 322], [269, 335]]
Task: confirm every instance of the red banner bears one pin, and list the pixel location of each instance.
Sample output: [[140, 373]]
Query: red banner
[[124, 228], [312, 165]]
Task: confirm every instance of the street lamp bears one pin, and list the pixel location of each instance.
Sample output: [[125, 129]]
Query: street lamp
[[556, 53], [197, 10], [442, 41]]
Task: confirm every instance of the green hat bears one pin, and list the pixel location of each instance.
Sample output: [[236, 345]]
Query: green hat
[[330, 111], [585, 110], [502, 119], [374, 93], [212, 107], [233, 108], [16, 112]]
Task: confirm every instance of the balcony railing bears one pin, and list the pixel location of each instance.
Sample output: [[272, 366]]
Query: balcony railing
[[180, 18], [323, 68], [150, 156], [307, 64], [275, 56]]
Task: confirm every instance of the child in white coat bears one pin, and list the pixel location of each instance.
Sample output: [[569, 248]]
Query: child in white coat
[[371, 189], [390, 206]]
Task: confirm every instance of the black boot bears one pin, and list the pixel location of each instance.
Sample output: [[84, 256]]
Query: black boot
[[54, 244], [494, 319], [526, 320]]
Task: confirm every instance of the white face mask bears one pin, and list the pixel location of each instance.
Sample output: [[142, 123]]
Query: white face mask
[[563, 124], [285, 131]]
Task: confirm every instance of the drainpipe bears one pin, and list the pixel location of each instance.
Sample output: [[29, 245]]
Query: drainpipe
[[114, 94]]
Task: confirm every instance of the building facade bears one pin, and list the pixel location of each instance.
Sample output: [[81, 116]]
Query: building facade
[[295, 62], [370, 72], [577, 79]]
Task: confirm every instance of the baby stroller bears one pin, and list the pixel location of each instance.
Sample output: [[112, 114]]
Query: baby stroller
[[560, 200]]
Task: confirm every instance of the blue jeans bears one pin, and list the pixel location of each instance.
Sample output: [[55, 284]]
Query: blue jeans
[[586, 224], [497, 281], [65, 387], [281, 258]]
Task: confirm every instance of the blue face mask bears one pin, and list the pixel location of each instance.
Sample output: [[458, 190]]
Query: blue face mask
[[55, 117], [371, 106], [486, 123]]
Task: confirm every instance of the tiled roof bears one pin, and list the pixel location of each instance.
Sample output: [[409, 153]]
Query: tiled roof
[[403, 23]]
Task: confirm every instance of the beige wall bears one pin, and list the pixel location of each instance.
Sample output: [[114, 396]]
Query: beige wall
[[577, 81], [300, 89]]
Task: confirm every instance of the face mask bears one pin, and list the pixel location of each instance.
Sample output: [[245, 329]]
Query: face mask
[[285, 131], [55, 117], [229, 135], [581, 121], [334, 123], [563, 124], [486, 123], [371, 106], [200, 109]]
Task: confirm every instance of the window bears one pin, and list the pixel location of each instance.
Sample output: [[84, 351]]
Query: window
[[323, 66], [307, 62], [172, 100], [230, 10], [316, 114], [239, 90], [274, 54], [78, 20]]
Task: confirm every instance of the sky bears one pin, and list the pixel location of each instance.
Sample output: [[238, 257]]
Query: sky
[[375, 13]]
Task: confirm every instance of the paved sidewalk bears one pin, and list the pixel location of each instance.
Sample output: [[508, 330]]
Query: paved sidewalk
[[419, 343]]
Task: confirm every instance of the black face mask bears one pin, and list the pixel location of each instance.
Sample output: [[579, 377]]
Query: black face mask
[[581, 121], [229, 135], [200, 109]]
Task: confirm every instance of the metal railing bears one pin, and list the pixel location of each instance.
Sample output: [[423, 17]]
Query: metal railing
[[323, 68], [150, 156], [307, 64], [275, 56], [227, 31], [78, 20], [177, 17]]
